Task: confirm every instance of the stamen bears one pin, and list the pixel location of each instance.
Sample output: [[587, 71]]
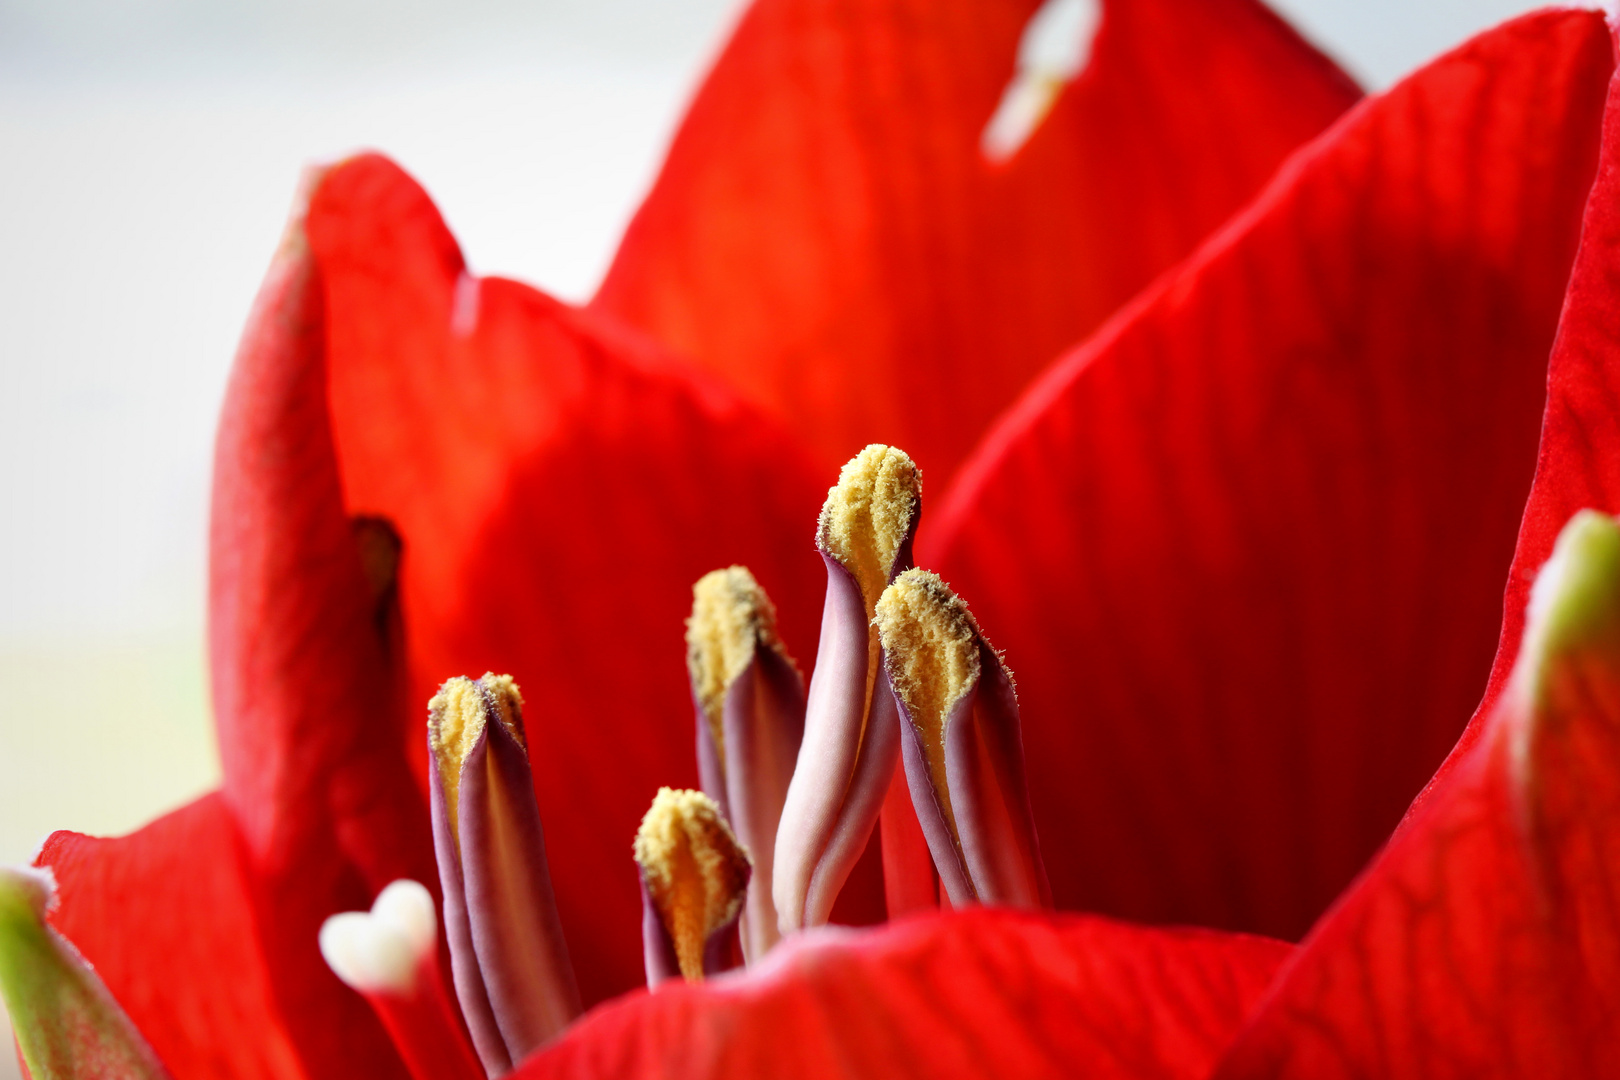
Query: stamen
[[390, 956], [932, 646], [963, 750], [1054, 49], [731, 618], [750, 722], [67, 1023], [851, 741], [510, 963], [871, 515], [695, 873], [456, 718]]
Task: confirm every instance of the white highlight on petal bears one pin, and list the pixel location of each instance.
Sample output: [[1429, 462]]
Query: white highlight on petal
[[1054, 49], [464, 305], [380, 951]]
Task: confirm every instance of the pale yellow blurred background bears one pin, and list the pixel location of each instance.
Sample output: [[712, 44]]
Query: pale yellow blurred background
[[150, 148]]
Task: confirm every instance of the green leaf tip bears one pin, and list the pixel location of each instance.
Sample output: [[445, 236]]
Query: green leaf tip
[[68, 1026], [1575, 602]]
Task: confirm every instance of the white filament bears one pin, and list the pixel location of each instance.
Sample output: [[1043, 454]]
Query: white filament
[[380, 951], [1054, 49]]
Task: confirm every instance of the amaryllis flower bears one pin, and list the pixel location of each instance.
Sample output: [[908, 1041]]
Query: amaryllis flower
[[1339, 371]]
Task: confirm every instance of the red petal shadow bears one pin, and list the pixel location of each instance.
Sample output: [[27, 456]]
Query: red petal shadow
[[1243, 549], [1483, 940], [981, 993], [827, 236]]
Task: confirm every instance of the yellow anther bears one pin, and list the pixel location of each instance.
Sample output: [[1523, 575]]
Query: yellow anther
[[696, 871], [731, 617], [456, 717], [931, 646], [868, 515]]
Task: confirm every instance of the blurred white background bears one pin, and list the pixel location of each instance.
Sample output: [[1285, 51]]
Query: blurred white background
[[150, 149]]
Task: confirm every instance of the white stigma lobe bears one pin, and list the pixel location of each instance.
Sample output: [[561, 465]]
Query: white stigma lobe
[[380, 951]]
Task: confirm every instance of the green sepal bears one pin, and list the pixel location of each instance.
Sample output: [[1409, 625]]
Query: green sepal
[[68, 1025]]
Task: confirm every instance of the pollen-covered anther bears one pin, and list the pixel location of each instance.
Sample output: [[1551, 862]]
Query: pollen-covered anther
[[963, 747], [870, 515], [695, 871], [457, 715], [731, 618], [508, 956], [851, 737], [749, 701], [931, 644]]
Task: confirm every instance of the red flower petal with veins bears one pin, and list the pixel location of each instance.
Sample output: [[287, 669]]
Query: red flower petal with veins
[[558, 486], [1284, 487], [981, 993], [1483, 940], [828, 236], [1579, 461], [165, 917]]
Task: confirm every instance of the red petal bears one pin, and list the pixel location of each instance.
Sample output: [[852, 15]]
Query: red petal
[[1507, 968], [1244, 548], [305, 691], [984, 993], [827, 235], [1579, 461], [1483, 940], [558, 487], [164, 916]]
